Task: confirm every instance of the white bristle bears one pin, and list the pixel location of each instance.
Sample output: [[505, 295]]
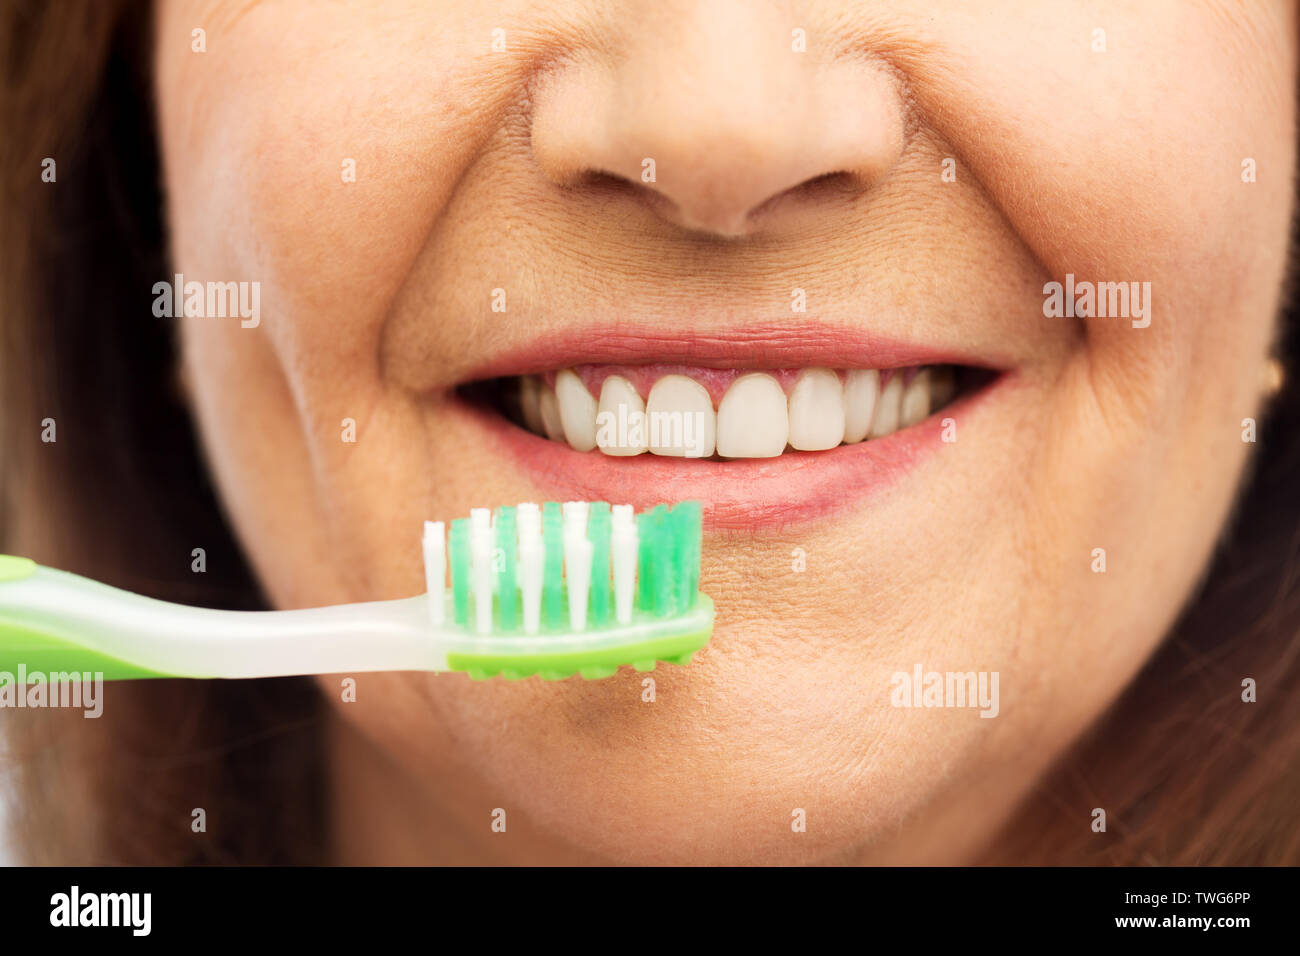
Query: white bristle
[[480, 549], [623, 548], [529, 521], [528, 514], [575, 511], [577, 562], [435, 570]]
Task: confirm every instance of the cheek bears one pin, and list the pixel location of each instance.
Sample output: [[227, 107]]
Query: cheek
[[315, 172], [1138, 448], [1142, 181], [294, 180]]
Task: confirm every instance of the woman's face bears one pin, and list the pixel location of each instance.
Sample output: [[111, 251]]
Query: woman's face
[[435, 194]]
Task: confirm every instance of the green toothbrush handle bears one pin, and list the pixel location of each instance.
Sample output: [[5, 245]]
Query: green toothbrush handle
[[53, 621], [24, 650], [29, 646]]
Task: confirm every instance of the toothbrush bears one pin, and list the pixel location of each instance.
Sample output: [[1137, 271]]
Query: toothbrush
[[630, 598]]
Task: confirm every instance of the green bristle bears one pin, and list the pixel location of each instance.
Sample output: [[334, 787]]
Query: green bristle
[[686, 535], [664, 581], [598, 532], [645, 532], [672, 559], [507, 589], [553, 611], [458, 548]]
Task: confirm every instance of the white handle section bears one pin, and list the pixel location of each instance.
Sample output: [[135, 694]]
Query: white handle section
[[201, 642]]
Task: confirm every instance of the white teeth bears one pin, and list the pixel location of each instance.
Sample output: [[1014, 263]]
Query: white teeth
[[916, 400], [861, 389], [620, 418], [528, 405], [680, 417], [753, 421], [816, 410], [577, 411], [885, 421], [549, 408]]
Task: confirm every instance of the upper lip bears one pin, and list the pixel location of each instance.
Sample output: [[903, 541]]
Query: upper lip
[[772, 345]]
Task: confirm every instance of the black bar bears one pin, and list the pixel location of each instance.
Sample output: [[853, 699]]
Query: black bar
[[328, 905]]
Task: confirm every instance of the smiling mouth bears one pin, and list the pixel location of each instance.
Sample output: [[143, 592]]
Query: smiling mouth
[[678, 411], [764, 428]]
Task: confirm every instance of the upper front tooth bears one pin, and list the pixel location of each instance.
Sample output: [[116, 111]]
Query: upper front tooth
[[549, 408], [691, 437], [620, 418], [916, 400], [753, 421], [888, 407], [861, 389], [816, 410], [577, 411]]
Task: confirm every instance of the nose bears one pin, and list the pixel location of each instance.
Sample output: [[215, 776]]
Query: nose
[[720, 114]]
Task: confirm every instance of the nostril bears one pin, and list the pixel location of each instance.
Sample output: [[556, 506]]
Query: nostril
[[828, 183], [602, 183], [598, 180], [610, 186], [824, 186]]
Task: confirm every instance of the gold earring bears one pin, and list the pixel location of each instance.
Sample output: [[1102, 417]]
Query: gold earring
[[1274, 376]]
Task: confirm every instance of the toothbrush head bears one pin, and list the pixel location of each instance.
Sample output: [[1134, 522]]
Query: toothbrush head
[[557, 590]]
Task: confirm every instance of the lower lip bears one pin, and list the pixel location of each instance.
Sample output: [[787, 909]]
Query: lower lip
[[745, 495]]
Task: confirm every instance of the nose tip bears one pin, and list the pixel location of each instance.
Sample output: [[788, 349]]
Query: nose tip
[[722, 131]]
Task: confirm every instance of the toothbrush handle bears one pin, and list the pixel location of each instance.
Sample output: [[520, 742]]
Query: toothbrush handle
[[55, 622]]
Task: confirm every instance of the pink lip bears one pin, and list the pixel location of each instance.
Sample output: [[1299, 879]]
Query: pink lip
[[801, 345]]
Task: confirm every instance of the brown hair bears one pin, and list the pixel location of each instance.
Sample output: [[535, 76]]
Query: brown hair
[[1187, 772], [121, 495]]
